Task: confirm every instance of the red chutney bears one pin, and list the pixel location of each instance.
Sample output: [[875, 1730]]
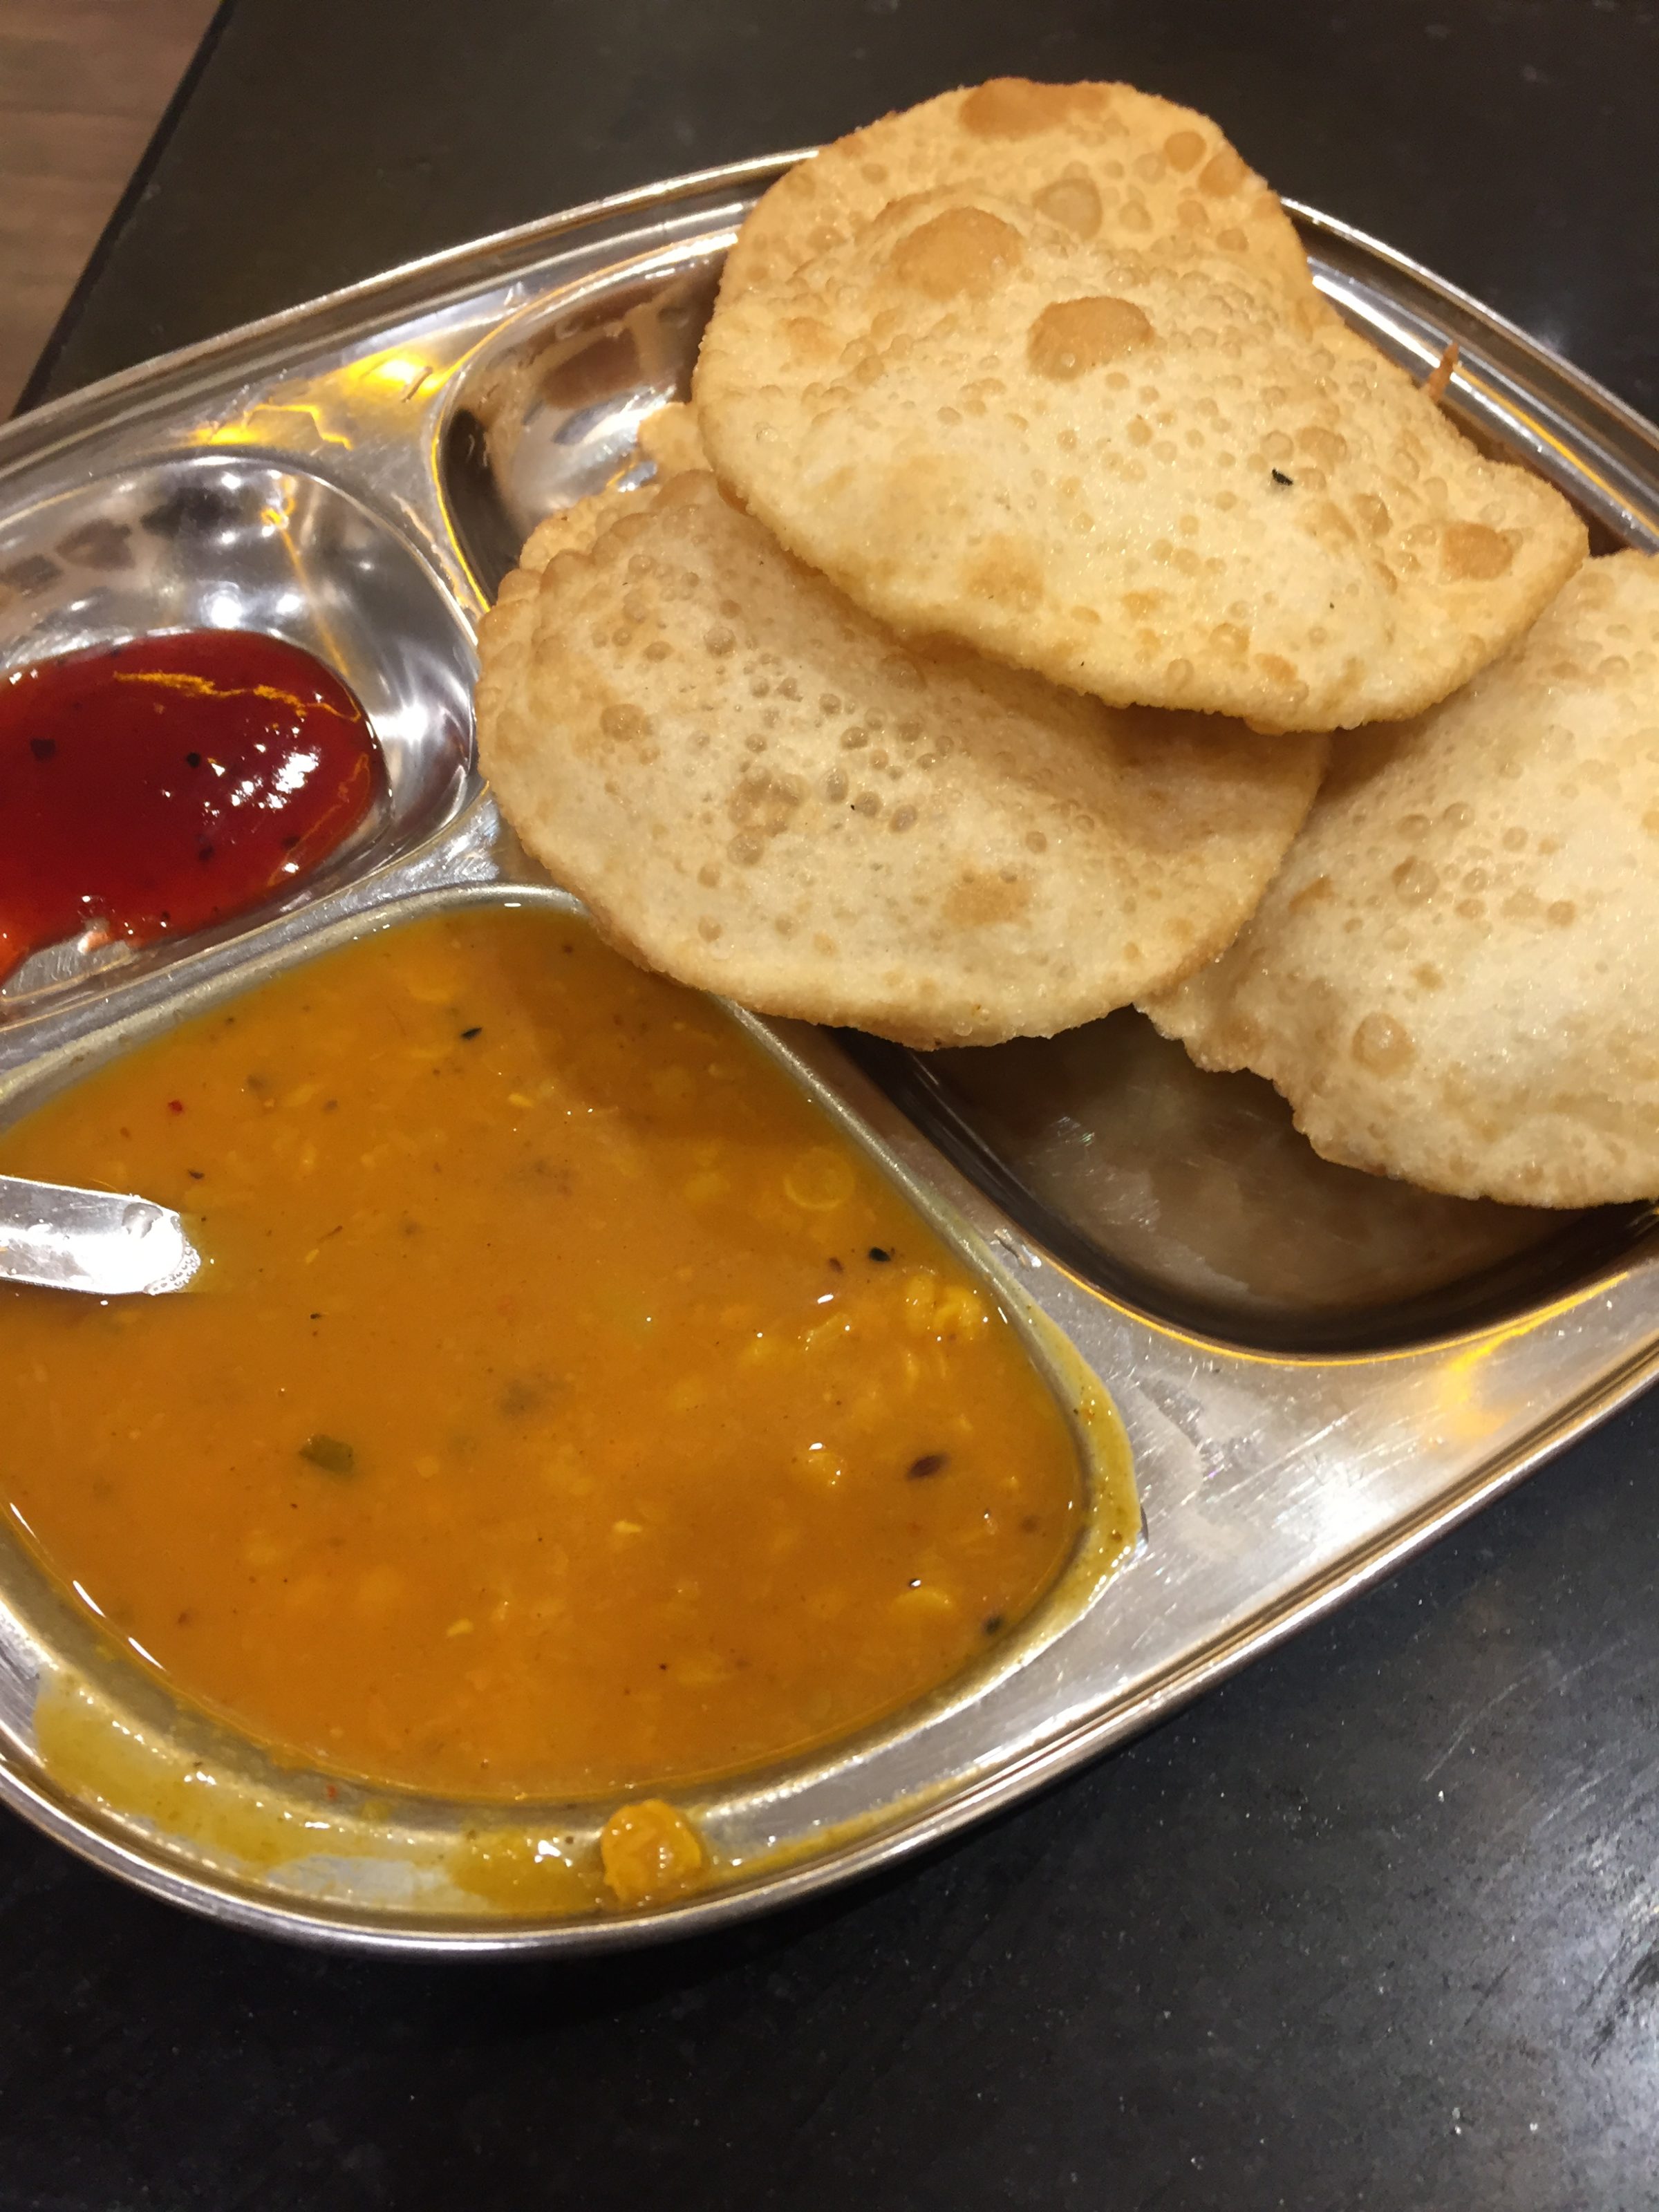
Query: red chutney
[[167, 783]]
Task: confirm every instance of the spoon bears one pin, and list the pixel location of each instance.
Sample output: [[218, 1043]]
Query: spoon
[[97, 1241]]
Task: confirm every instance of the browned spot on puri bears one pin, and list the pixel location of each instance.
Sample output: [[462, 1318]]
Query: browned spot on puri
[[1014, 107], [624, 723], [963, 250], [1183, 150], [1222, 174], [1312, 894], [1329, 521], [1072, 202], [765, 802], [1008, 574], [1372, 512], [1381, 1044], [979, 901], [1470, 550], [1327, 447], [809, 335], [1073, 336]]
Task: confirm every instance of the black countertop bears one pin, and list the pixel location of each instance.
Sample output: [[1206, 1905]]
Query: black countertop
[[1377, 1924]]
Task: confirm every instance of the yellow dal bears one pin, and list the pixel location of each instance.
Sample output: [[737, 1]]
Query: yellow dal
[[548, 1424]]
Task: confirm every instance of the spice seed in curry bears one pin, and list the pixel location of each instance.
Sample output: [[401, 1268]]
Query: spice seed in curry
[[528, 1441]]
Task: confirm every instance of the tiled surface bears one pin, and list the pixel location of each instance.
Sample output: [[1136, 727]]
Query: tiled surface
[[83, 85]]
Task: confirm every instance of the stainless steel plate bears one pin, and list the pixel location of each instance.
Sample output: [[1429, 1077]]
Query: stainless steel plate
[[1317, 1373]]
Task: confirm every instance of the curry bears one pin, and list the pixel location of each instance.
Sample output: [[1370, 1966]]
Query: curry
[[569, 1405]]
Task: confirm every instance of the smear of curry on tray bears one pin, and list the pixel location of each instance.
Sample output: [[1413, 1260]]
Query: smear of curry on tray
[[569, 1405]]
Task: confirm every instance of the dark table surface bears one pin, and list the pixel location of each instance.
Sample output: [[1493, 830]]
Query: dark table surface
[[1377, 1924]]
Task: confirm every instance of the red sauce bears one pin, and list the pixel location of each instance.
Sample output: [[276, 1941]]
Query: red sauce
[[162, 785]]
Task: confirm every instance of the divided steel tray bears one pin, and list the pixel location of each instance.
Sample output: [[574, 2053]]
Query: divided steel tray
[[1317, 1372]]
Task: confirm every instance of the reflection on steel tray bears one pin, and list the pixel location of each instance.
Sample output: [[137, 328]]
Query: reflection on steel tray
[[1317, 1372]]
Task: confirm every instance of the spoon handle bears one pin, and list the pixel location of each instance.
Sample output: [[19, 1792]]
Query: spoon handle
[[99, 1242]]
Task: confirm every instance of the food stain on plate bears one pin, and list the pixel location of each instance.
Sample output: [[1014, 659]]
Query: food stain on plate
[[320, 1838], [153, 788], [96, 1752], [575, 1414]]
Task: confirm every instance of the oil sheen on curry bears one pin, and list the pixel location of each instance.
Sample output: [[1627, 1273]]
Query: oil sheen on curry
[[569, 1406]]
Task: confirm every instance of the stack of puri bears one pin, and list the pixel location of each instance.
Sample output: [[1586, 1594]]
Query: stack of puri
[[1049, 605]]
